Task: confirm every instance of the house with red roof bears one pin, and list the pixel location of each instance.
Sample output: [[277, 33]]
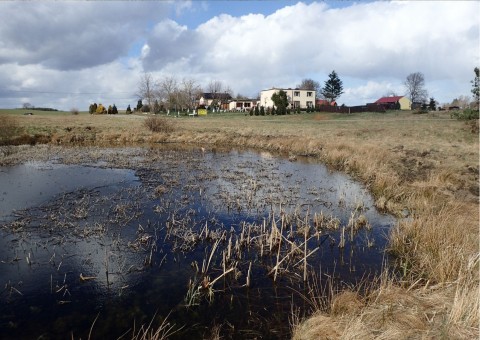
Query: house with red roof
[[321, 102], [395, 103]]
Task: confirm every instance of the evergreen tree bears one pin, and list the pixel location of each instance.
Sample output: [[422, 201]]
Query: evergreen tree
[[432, 106], [114, 109], [476, 86], [280, 100], [274, 112], [139, 104], [257, 111], [110, 109], [333, 87], [262, 111], [91, 110]]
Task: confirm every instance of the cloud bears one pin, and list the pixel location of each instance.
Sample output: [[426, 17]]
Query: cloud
[[72, 35], [97, 47], [40, 86], [375, 41]]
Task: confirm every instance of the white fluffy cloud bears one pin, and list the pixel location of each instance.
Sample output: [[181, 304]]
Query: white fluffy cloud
[[378, 42], [90, 46]]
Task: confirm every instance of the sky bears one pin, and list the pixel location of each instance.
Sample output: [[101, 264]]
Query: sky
[[69, 54]]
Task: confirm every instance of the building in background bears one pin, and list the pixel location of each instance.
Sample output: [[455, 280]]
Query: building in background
[[297, 98]]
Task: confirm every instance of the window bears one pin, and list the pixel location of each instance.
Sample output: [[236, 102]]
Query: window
[[309, 104], [309, 94], [296, 94]]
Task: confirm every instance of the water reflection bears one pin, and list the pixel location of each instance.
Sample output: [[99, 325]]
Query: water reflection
[[132, 243]]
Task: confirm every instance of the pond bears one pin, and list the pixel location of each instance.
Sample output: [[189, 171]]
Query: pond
[[198, 242]]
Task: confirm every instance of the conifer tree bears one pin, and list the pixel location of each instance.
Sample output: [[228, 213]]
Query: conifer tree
[[333, 87]]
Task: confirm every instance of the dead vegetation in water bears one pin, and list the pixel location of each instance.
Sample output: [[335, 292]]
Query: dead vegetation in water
[[282, 246]]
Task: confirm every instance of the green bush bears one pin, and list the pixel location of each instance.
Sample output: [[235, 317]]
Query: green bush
[[467, 114]]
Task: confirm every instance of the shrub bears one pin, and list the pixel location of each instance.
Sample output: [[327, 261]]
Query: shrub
[[74, 111], [158, 124], [467, 114], [129, 110], [101, 109], [145, 108], [262, 111]]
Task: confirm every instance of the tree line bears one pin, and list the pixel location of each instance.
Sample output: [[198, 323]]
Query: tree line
[[100, 109], [171, 94]]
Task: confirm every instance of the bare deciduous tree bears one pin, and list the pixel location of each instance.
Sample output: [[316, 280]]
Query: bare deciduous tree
[[188, 92], [215, 87], [312, 85], [462, 102], [168, 91], [147, 89], [414, 85]]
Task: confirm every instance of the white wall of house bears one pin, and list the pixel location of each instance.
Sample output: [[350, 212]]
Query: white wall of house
[[241, 104], [296, 98]]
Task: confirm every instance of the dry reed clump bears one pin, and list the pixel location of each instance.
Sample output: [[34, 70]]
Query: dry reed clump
[[159, 124], [436, 243], [448, 311]]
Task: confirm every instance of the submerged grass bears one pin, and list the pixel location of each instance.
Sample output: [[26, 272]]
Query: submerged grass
[[422, 168]]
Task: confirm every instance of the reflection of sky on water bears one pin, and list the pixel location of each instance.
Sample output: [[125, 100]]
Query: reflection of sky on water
[[57, 259], [34, 183]]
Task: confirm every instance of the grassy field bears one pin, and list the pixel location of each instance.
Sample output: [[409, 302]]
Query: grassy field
[[422, 167]]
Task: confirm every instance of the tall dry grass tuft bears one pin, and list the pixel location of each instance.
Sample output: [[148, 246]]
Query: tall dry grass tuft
[[435, 244], [465, 311], [8, 130], [159, 124], [388, 311]]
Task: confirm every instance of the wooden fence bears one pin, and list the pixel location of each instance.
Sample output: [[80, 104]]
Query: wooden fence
[[351, 109]]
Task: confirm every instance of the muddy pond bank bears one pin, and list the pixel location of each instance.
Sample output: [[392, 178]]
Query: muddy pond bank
[[218, 241]]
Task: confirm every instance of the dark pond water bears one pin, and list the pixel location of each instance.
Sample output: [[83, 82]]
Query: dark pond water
[[215, 241]]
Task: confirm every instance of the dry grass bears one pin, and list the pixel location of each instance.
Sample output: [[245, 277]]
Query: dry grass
[[424, 167], [159, 124], [8, 129], [388, 311]]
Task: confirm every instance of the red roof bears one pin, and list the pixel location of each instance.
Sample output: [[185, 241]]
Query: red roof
[[393, 99], [325, 102]]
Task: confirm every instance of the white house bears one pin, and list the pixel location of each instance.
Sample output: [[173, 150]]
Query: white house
[[296, 98], [242, 104]]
